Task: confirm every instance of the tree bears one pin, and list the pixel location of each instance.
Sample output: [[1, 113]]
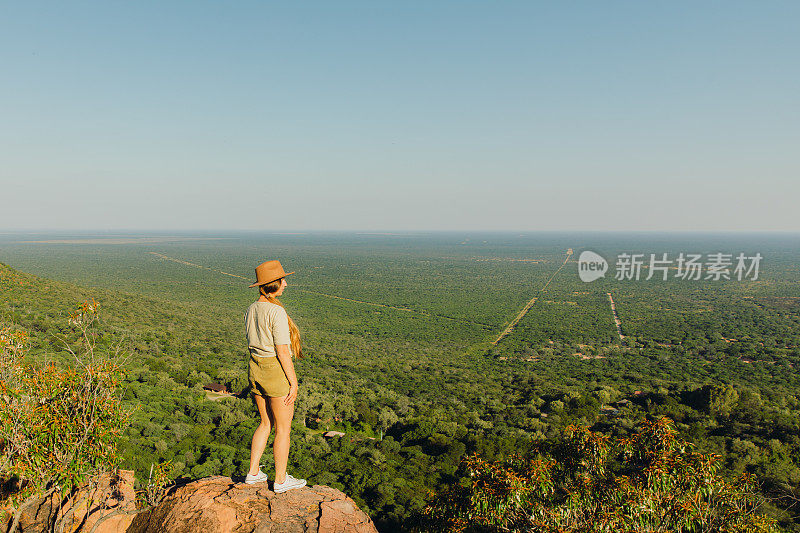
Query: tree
[[387, 418], [590, 482], [58, 426]]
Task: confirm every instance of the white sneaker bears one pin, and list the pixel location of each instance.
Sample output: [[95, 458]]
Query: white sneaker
[[258, 478], [288, 484]]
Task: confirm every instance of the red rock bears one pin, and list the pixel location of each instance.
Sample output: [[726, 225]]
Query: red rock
[[210, 505], [96, 498], [217, 504]]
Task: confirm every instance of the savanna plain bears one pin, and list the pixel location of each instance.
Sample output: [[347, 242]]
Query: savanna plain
[[409, 353]]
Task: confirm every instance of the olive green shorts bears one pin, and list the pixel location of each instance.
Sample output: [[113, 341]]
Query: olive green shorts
[[267, 377]]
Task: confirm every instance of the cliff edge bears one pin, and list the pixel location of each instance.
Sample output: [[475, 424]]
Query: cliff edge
[[210, 505], [219, 504]]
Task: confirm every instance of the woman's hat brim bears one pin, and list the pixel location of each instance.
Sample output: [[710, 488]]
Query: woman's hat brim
[[259, 283]]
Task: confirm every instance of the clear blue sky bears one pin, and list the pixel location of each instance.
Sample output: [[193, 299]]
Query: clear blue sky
[[400, 115]]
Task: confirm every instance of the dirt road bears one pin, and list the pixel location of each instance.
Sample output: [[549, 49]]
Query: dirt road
[[617, 321], [532, 301]]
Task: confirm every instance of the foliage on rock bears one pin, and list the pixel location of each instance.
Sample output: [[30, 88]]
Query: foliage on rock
[[58, 425]]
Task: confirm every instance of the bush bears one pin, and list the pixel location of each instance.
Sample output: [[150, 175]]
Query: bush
[[590, 482], [58, 426]]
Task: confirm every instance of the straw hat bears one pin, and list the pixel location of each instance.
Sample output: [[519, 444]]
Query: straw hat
[[268, 272]]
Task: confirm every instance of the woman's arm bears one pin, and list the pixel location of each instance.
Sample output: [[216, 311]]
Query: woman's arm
[[285, 358]]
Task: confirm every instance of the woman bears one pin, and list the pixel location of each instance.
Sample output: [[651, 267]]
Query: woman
[[272, 338]]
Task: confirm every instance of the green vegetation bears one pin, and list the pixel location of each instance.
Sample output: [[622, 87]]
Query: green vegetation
[[398, 331], [58, 426], [590, 482]]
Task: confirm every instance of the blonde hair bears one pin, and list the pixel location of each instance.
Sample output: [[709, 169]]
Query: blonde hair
[[266, 291]]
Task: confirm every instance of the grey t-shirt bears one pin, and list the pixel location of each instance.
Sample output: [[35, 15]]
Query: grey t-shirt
[[265, 325]]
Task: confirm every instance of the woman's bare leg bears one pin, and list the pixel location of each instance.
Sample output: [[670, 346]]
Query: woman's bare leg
[[261, 434], [283, 415]]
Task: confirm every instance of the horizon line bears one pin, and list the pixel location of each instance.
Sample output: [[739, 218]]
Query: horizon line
[[387, 232]]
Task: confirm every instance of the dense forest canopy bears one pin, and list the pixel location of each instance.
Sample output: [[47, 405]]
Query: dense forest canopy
[[399, 332]]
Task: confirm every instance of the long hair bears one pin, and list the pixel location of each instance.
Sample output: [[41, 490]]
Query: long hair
[[266, 291]]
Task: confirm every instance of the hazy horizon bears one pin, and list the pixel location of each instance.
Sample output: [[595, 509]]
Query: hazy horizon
[[291, 231], [218, 233]]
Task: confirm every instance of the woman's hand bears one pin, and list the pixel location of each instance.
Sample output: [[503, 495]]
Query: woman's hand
[[292, 394], [285, 358]]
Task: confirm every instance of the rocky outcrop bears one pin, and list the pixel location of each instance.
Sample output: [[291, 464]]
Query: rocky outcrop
[[210, 505], [218, 504], [104, 496]]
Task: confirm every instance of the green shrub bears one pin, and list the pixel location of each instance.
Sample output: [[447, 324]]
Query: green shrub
[[590, 482], [58, 426]]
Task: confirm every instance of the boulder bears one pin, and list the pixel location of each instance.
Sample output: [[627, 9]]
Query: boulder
[[98, 497], [210, 505], [218, 504]]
